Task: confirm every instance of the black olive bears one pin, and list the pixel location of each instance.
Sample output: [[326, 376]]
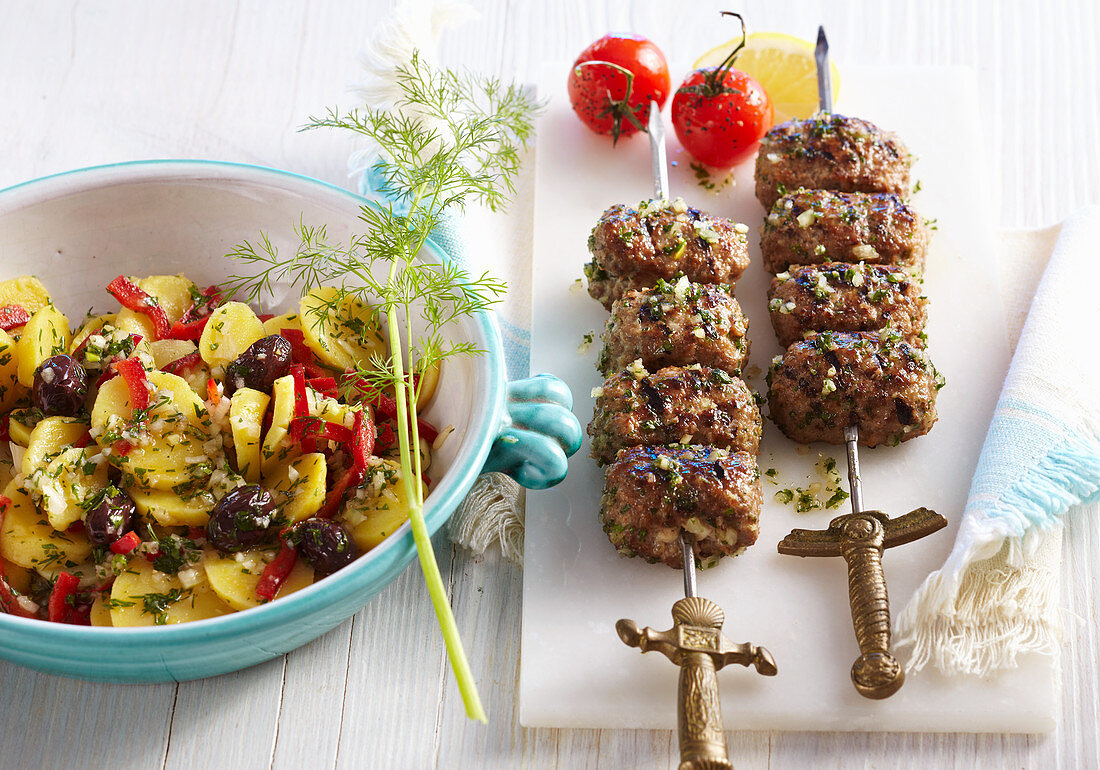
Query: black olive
[[265, 361], [325, 545], [60, 385], [242, 519], [111, 519]]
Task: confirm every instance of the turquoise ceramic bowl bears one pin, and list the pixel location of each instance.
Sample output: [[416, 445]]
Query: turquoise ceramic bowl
[[78, 230]]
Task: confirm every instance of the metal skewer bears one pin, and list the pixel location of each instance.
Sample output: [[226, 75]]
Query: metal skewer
[[695, 642], [861, 536]]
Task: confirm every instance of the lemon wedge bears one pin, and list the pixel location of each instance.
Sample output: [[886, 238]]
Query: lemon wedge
[[783, 65]]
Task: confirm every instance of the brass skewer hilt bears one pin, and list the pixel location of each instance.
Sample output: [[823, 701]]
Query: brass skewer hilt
[[861, 537], [696, 644]]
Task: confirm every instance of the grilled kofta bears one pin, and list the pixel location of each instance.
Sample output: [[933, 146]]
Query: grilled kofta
[[808, 227], [844, 297], [886, 388], [694, 405], [676, 324], [661, 239], [830, 152], [652, 493]]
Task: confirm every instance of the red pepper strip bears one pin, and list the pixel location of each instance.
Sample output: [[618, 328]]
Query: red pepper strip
[[84, 440], [386, 438], [133, 298], [212, 394], [122, 447], [362, 442], [301, 402], [185, 364], [427, 481], [108, 374], [126, 543], [276, 572], [319, 429], [191, 324], [427, 431], [301, 353], [9, 599], [12, 316], [326, 386], [60, 609], [265, 317], [335, 496], [134, 373]]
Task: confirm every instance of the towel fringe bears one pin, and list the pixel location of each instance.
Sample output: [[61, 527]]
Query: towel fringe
[[491, 513], [985, 618]]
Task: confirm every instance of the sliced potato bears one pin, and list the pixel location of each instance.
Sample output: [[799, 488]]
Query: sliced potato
[[66, 483], [88, 328], [45, 335], [18, 577], [101, 613], [172, 292], [171, 509], [298, 486], [276, 447], [171, 449], [20, 424], [11, 390], [280, 322], [133, 322], [50, 437], [143, 596], [235, 581], [25, 291], [246, 418], [167, 351], [274, 450], [383, 508], [342, 331], [27, 539], [230, 330]]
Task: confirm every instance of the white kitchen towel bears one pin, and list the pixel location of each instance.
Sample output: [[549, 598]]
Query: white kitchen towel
[[996, 596]]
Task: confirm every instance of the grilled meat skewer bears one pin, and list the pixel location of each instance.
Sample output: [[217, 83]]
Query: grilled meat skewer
[[693, 405], [652, 493], [830, 152], [807, 227], [844, 297], [662, 239], [832, 380], [676, 324]]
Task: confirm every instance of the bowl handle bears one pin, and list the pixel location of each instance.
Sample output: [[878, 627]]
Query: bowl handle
[[539, 434]]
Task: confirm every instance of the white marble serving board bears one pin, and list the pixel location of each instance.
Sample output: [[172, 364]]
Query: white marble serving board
[[575, 672]]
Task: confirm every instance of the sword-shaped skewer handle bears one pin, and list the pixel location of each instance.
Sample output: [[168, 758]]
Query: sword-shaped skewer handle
[[876, 673]]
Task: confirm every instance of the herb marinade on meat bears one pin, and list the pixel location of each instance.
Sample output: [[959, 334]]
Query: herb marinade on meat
[[693, 405], [830, 152], [679, 443], [806, 227], [676, 324], [887, 388], [651, 493], [845, 297], [634, 248]]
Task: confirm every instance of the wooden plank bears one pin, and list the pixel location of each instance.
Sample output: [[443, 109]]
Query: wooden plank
[[56, 722]]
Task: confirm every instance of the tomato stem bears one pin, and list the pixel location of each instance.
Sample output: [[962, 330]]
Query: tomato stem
[[616, 108], [715, 77]]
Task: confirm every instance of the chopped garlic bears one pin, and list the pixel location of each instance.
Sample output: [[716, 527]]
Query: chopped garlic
[[806, 218]]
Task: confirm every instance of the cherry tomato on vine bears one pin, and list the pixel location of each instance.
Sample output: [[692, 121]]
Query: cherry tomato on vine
[[720, 114], [609, 100]]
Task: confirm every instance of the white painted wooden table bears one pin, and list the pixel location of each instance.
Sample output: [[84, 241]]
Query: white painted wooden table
[[83, 83]]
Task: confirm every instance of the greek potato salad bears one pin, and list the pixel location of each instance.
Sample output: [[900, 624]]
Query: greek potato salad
[[186, 457]]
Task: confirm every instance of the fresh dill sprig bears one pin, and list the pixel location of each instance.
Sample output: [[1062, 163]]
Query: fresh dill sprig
[[451, 139]]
